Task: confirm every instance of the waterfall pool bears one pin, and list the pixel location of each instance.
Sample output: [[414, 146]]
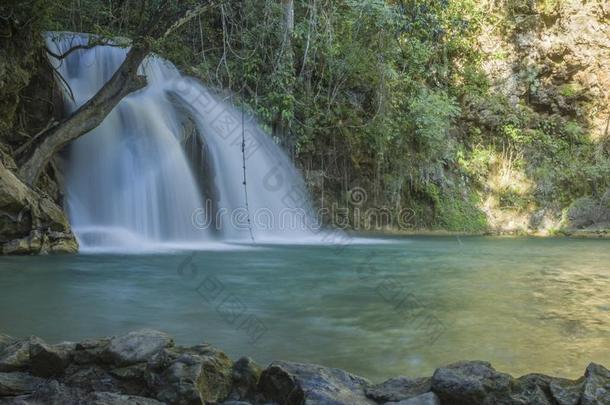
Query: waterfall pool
[[377, 310]]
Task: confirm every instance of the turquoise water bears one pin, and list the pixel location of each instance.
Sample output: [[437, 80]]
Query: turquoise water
[[378, 310]]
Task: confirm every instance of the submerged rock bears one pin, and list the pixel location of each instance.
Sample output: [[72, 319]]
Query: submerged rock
[[297, 383]]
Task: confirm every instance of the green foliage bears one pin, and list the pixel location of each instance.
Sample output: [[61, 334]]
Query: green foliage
[[384, 94], [570, 89], [432, 115]]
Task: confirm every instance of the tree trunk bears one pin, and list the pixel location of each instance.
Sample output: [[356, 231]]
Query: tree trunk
[[36, 154], [286, 63], [288, 14]]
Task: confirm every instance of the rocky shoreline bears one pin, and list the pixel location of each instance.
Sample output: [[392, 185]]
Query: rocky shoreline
[[146, 367]]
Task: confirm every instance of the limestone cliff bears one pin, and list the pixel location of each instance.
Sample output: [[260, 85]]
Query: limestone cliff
[[550, 59]]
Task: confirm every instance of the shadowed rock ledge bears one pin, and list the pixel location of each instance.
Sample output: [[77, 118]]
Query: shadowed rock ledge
[[146, 367]]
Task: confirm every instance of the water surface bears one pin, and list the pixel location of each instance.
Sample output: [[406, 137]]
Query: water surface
[[378, 310]]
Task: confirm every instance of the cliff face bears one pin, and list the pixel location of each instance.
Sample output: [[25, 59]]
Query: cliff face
[[550, 60], [31, 218], [554, 57]]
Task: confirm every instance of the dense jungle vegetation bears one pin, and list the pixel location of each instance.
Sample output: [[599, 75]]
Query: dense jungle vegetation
[[397, 97]]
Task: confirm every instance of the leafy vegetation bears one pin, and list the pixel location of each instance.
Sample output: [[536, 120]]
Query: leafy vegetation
[[390, 96]]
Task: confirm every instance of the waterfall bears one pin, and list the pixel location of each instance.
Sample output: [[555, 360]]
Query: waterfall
[[165, 168]]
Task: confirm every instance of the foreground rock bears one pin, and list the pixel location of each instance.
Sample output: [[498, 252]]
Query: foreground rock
[[296, 383], [147, 368], [30, 221]]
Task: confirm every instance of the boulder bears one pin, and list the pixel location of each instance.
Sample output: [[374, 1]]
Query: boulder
[[532, 388], [56, 393], [46, 360], [245, 375], [474, 382], [16, 355], [5, 340], [110, 398], [90, 378], [295, 383], [132, 379], [18, 383], [197, 375], [596, 390], [89, 351], [429, 398], [136, 347], [30, 221], [235, 403], [566, 392], [398, 389]]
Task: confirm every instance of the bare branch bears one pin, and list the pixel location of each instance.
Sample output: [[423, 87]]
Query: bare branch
[[39, 150], [79, 47], [188, 16]]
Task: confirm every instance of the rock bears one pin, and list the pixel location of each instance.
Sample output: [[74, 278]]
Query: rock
[[429, 398], [30, 221], [474, 382], [596, 390], [135, 372], [131, 380], [110, 398], [5, 340], [398, 389], [153, 371], [245, 375], [566, 392], [197, 375], [46, 360], [295, 383], [57, 393], [16, 356], [587, 213], [532, 388], [13, 384], [235, 403], [90, 378], [136, 347], [89, 351]]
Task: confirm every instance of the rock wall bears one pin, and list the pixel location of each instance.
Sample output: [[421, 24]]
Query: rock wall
[[550, 59], [555, 58], [146, 367]]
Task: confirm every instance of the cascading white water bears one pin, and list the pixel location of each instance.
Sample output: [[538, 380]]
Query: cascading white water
[[165, 168]]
